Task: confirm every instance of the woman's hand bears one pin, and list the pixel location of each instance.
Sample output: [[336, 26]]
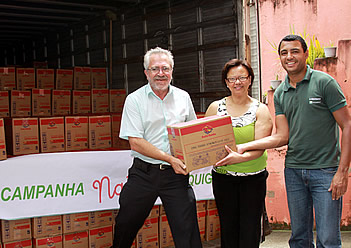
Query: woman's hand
[[232, 158]]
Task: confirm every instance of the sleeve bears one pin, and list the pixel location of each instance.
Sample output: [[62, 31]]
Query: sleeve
[[192, 114], [333, 95], [131, 123], [277, 105]]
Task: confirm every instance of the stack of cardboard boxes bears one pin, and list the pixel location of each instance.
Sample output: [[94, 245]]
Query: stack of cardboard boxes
[[47, 110]]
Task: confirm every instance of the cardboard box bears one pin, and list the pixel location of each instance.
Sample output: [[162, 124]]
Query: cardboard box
[[166, 238], [75, 222], [3, 154], [64, 79], [48, 242], [100, 218], [4, 104], [213, 229], [27, 243], [61, 102], [211, 204], [20, 102], [117, 142], [117, 98], [82, 78], [98, 78], [25, 78], [200, 143], [76, 133], [76, 240], [99, 101], [201, 205], [12, 230], [47, 226], [148, 234], [7, 78], [52, 134], [201, 220], [81, 102], [99, 132], [41, 102], [101, 237], [45, 78], [22, 136]]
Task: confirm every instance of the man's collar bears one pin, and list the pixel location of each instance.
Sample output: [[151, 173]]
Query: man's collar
[[286, 84]]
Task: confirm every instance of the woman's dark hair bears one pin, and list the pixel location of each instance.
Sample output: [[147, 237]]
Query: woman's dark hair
[[293, 37], [235, 63]]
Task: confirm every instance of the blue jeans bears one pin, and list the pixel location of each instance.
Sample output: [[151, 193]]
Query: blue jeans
[[307, 190]]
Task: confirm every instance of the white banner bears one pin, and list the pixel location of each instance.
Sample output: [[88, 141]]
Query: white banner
[[71, 182]]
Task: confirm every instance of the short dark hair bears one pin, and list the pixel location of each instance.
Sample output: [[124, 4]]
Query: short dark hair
[[236, 63], [292, 37]]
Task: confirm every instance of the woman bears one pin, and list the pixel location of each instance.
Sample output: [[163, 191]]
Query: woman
[[239, 180]]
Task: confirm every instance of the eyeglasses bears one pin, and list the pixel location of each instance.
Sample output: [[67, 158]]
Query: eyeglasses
[[165, 69], [241, 79]]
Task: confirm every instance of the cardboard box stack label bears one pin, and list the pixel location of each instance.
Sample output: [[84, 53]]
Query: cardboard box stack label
[[212, 224], [47, 226], [52, 134], [82, 78], [27, 243], [49, 241], [20, 102], [100, 218], [117, 142], [117, 98], [99, 101], [22, 136], [81, 102], [12, 230], [7, 78], [41, 102], [76, 240], [148, 234], [4, 104], [76, 133], [99, 132], [166, 238], [61, 102], [64, 79], [25, 78], [45, 78], [100, 237], [3, 154], [200, 143], [98, 78], [75, 222]]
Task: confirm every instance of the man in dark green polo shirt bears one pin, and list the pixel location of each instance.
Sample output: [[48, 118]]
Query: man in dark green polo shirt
[[310, 107]]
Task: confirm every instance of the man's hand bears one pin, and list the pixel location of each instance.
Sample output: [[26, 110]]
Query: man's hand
[[338, 185], [231, 158], [178, 166]]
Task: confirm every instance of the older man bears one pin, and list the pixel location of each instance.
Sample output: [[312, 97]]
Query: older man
[[154, 172]]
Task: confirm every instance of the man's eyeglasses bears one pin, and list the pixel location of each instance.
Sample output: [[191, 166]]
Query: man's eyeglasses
[[165, 69], [241, 79]]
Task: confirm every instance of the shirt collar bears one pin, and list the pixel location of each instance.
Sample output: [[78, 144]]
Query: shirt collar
[[306, 79], [150, 91]]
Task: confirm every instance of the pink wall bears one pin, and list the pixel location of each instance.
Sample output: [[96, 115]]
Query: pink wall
[[340, 69], [326, 19]]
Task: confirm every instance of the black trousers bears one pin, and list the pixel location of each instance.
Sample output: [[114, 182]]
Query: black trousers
[[145, 183], [240, 202]]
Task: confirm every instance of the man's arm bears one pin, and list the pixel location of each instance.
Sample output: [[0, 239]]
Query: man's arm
[[339, 183], [279, 138], [142, 146]]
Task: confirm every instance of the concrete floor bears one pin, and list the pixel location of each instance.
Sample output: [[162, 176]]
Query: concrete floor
[[279, 239]]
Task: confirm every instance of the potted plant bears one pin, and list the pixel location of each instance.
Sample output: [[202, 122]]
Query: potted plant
[[275, 83], [330, 51]]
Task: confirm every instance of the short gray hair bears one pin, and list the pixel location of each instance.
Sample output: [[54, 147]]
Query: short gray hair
[[157, 50]]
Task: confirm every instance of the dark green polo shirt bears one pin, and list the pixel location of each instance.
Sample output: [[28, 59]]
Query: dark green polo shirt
[[313, 131]]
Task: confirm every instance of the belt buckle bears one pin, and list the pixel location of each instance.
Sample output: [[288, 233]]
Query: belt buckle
[[161, 167]]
